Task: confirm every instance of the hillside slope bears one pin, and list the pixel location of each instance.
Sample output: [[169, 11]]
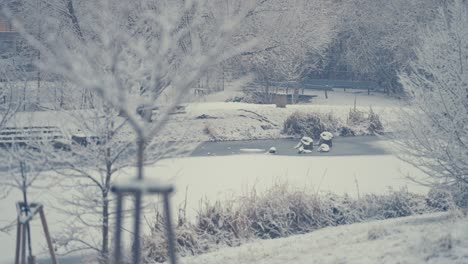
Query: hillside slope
[[434, 238]]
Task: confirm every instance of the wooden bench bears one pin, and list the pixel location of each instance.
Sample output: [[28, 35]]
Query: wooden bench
[[27, 135]]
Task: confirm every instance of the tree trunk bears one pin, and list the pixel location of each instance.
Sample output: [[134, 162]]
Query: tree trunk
[[38, 94], [105, 202], [138, 199], [105, 228], [24, 98], [62, 99], [223, 78]]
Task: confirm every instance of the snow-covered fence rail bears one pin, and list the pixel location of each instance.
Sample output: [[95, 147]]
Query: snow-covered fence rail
[[25, 135], [323, 84], [320, 83]]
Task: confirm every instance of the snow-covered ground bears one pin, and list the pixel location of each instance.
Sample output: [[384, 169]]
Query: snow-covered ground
[[435, 238], [228, 176], [241, 121], [236, 121], [222, 177]]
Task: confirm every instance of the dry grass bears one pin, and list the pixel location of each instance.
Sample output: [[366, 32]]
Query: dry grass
[[312, 124], [279, 212]]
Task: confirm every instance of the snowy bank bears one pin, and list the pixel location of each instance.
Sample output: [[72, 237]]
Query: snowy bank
[[221, 121], [279, 212], [434, 238], [218, 121]]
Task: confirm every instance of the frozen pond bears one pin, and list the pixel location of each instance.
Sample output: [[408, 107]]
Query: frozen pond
[[342, 146]]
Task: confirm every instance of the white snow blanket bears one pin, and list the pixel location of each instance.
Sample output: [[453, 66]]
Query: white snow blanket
[[434, 238]]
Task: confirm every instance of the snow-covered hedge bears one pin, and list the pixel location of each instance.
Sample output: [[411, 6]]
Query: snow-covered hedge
[[279, 212], [312, 124]]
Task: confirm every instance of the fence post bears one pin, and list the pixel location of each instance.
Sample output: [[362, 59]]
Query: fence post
[[118, 230], [170, 232], [138, 190]]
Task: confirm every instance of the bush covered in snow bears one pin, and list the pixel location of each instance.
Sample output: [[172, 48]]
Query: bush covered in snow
[[358, 123], [440, 198], [279, 212], [375, 124], [253, 97], [310, 124], [395, 204], [364, 123], [356, 117]]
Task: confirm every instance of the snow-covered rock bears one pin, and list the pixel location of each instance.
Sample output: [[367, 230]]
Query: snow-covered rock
[[324, 148], [326, 136], [307, 141], [302, 150], [305, 145]]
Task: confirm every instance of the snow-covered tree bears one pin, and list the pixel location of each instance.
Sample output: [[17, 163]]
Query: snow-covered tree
[[288, 32], [139, 61], [22, 171], [377, 37], [436, 122], [102, 146]]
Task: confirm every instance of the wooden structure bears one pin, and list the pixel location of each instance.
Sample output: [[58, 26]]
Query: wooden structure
[[281, 100], [25, 214], [24, 135], [137, 189], [325, 85]]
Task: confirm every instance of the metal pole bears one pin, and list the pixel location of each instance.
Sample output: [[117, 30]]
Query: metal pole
[[18, 241], [28, 229], [136, 230], [118, 230], [32, 260], [23, 244], [169, 230], [47, 235]]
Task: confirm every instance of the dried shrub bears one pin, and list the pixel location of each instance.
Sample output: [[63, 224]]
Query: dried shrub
[[395, 204], [300, 124], [220, 224], [310, 124], [356, 117], [281, 211], [440, 198], [346, 131], [375, 124]]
